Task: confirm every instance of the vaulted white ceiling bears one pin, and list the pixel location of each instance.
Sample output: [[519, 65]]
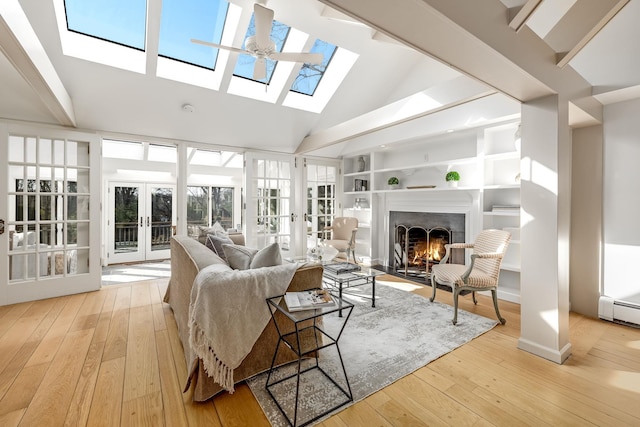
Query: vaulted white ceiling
[[391, 87]]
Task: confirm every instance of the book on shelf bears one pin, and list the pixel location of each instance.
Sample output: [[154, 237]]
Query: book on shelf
[[341, 267], [360, 185], [308, 300]]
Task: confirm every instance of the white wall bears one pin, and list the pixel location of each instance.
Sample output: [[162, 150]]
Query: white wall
[[586, 220], [621, 201]]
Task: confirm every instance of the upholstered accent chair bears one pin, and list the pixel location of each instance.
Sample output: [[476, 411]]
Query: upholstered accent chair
[[481, 274], [343, 235]]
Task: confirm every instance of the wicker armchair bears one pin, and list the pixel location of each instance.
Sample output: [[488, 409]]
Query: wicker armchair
[[480, 275], [343, 235]]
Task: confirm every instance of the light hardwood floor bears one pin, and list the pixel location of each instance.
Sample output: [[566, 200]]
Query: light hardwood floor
[[113, 358]]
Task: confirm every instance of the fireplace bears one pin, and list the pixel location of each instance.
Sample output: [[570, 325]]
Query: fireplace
[[417, 240]]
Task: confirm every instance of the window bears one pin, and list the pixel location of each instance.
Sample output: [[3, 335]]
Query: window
[[118, 21], [182, 21], [206, 205], [309, 77]]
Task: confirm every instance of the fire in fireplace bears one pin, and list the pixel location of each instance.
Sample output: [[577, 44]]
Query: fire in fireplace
[[417, 248]]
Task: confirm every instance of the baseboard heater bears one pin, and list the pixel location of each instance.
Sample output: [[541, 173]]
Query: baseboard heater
[[619, 311]]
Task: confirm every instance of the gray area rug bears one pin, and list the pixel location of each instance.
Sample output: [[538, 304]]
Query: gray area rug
[[379, 346]]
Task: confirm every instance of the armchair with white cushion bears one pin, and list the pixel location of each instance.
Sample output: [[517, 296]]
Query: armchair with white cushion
[[481, 274], [343, 235]]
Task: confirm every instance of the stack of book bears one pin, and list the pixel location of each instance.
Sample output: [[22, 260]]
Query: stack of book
[[308, 300], [360, 185], [341, 267]]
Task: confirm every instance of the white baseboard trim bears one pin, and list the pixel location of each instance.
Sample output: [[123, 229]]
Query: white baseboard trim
[[557, 356]]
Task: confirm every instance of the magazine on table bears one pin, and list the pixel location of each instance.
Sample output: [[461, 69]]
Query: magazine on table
[[306, 300], [341, 267]]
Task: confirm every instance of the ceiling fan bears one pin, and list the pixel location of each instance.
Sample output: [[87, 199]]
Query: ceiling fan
[[262, 47]]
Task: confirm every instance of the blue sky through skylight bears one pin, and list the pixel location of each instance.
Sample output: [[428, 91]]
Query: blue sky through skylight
[[309, 77], [245, 63], [119, 21], [181, 21]]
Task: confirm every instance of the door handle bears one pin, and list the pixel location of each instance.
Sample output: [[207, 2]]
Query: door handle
[[293, 217], [147, 221], [1, 226], [141, 222]]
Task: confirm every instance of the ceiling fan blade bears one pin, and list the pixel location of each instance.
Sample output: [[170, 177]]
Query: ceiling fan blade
[[219, 46], [263, 19], [260, 69], [309, 58]]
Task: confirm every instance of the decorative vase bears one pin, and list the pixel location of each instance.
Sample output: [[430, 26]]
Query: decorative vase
[[360, 164], [394, 186], [452, 184]]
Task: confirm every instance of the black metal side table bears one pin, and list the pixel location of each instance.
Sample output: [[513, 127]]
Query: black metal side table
[[305, 335]]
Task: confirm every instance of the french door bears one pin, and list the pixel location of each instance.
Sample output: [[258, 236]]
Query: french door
[[270, 201], [50, 214], [320, 183], [141, 221]]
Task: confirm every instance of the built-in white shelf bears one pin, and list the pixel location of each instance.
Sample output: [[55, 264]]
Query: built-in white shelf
[[356, 173], [502, 187], [443, 188], [502, 213], [443, 163], [510, 267]]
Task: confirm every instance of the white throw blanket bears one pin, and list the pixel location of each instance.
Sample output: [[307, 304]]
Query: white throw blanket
[[228, 312]]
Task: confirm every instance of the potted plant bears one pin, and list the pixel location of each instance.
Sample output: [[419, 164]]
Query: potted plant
[[393, 182], [452, 178]]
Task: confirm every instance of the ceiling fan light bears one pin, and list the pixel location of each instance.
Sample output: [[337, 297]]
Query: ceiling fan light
[[251, 46]]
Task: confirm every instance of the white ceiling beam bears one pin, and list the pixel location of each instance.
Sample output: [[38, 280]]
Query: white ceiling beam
[[563, 58], [20, 44], [518, 16], [471, 37], [458, 91], [154, 10]]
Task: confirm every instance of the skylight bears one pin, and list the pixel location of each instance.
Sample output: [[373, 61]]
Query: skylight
[[154, 38], [200, 19], [310, 75], [245, 63], [118, 21]]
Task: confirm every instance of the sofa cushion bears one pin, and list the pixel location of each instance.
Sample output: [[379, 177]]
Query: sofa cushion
[[267, 257], [239, 257], [243, 258], [215, 242], [204, 231]]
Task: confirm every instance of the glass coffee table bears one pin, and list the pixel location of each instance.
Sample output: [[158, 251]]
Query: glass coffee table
[[343, 281]]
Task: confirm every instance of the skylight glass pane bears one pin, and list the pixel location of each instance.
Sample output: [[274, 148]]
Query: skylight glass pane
[[182, 21], [244, 66], [118, 21], [309, 77], [122, 150], [162, 153]]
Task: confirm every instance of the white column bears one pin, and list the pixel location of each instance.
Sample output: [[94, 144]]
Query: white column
[[545, 222], [182, 172]]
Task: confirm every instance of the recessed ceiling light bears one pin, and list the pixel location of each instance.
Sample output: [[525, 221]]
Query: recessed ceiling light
[[449, 130]]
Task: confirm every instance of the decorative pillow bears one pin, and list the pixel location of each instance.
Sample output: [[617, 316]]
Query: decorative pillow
[[215, 243], [239, 257], [267, 257], [204, 231]]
